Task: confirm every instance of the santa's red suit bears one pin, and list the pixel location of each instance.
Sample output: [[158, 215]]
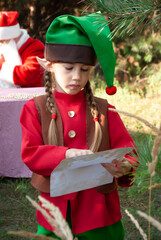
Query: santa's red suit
[[19, 68]]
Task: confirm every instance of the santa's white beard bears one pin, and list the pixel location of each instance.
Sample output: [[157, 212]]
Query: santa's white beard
[[12, 59]]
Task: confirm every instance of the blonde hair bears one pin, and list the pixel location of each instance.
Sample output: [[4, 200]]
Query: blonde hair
[[53, 131], [94, 111]]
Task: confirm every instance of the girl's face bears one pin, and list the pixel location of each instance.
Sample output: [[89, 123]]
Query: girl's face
[[70, 78]]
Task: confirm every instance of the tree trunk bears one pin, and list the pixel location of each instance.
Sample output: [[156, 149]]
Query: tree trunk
[[34, 17]]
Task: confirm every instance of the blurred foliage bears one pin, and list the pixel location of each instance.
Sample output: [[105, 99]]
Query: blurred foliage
[[135, 27], [137, 58], [134, 55], [126, 17], [36, 15], [144, 145]]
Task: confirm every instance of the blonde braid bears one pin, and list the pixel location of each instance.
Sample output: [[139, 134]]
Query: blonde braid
[[52, 131], [94, 111]]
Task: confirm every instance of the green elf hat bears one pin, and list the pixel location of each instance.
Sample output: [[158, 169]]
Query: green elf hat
[[79, 40]]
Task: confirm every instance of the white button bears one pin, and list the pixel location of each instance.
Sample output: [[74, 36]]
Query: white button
[[72, 134], [71, 114]]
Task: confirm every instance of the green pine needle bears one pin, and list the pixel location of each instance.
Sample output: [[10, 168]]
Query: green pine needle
[[126, 17], [142, 175]]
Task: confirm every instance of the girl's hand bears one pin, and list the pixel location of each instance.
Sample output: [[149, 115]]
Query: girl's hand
[[73, 152], [122, 168]]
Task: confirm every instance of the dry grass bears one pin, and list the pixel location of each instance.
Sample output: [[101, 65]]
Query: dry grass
[[151, 165], [136, 224], [54, 218], [153, 221], [148, 107]]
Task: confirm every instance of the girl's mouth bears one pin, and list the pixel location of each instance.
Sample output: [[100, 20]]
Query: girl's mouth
[[74, 86]]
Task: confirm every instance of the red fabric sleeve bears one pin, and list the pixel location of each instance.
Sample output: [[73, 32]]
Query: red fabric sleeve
[[39, 158], [119, 137], [30, 73]]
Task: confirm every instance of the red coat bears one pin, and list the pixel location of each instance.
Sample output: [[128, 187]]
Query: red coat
[[89, 208], [30, 73]]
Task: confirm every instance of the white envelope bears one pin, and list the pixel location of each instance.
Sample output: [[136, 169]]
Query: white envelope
[[83, 172]]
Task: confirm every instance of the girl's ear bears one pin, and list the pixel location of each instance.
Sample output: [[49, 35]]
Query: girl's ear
[[44, 63], [91, 69]]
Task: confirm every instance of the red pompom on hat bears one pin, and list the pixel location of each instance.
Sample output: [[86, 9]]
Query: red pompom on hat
[[9, 26], [111, 90]]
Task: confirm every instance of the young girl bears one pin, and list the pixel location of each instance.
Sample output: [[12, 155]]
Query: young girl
[[69, 121]]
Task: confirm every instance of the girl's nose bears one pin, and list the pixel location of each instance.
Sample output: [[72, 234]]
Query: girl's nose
[[76, 74]]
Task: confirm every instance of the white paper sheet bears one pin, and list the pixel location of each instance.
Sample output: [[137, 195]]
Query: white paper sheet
[[83, 172]]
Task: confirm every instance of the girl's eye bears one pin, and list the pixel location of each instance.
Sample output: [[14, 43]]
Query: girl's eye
[[68, 68], [84, 69]]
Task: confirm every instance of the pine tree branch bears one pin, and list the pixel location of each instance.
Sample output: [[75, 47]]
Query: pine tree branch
[[126, 17]]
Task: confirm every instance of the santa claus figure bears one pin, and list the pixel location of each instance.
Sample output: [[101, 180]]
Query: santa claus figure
[[18, 51]]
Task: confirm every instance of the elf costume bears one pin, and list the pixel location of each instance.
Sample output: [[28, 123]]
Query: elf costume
[[93, 213], [18, 64]]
